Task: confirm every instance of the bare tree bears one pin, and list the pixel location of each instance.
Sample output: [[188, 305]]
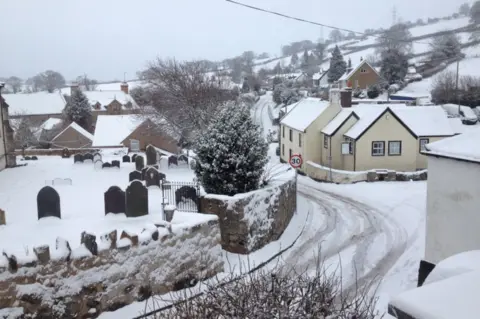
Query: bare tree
[[15, 83], [24, 133], [397, 38], [336, 36], [445, 46], [87, 83], [443, 87], [277, 293], [182, 96], [53, 80]]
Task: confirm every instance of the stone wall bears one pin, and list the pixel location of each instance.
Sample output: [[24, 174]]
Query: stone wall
[[250, 221], [77, 284], [54, 151], [325, 174]]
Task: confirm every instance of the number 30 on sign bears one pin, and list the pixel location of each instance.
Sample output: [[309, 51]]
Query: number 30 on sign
[[296, 160]]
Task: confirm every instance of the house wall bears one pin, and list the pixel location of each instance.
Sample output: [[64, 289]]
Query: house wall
[[339, 161], [71, 138], [453, 218], [292, 145], [364, 79], [3, 142], [387, 128], [314, 146], [422, 160], [146, 135]]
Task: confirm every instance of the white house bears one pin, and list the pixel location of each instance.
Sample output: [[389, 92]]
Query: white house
[[453, 198]]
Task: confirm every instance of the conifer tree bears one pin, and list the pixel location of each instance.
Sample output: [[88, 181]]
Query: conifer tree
[[231, 153], [338, 66], [78, 109]]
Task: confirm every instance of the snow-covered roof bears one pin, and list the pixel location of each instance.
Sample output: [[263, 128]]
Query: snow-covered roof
[[367, 115], [77, 128], [35, 103], [422, 121], [347, 75], [111, 130], [338, 120], [464, 146], [107, 97], [50, 123], [455, 265], [304, 113], [452, 298], [457, 125]]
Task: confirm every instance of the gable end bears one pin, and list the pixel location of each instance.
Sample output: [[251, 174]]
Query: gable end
[[344, 121], [380, 116]]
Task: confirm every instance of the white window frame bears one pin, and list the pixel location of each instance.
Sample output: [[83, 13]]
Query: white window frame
[[397, 150], [378, 148]]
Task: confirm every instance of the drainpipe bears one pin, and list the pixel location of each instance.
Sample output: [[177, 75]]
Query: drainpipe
[[3, 127], [330, 156]]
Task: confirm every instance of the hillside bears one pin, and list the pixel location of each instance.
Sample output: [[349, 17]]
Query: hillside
[[355, 49]]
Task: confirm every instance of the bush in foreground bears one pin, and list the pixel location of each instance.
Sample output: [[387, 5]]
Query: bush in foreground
[[278, 293]]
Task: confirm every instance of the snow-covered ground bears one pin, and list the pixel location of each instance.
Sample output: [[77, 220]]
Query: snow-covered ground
[[82, 202]]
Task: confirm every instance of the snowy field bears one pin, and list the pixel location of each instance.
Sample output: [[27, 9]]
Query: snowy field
[[82, 203]]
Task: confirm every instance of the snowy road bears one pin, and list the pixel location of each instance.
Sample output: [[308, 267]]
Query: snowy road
[[363, 239]]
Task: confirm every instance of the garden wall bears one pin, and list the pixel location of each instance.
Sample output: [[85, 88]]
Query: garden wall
[[321, 173], [77, 284], [250, 221], [54, 151]]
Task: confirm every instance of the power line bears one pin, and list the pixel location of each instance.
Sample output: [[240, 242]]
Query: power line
[[318, 23]]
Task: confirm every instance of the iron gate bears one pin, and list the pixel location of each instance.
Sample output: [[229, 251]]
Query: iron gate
[[184, 195]]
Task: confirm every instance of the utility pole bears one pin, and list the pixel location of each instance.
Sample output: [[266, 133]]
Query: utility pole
[[456, 86]]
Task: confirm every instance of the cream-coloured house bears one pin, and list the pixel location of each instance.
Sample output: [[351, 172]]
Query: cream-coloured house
[[366, 137], [300, 128]]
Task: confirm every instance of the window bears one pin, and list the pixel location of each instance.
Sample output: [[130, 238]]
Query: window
[[378, 148], [356, 84], [300, 139], [394, 148], [325, 141], [423, 142], [283, 131], [289, 154], [363, 71], [291, 136], [283, 149]]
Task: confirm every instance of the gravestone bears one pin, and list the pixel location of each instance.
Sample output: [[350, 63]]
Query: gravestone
[[98, 164], [27, 158], [172, 160], [162, 176], [186, 192], [97, 156], [139, 163], [136, 198], [126, 159], [116, 163], [152, 177], [151, 154], [183, 158], [48, 203], [134, 156], [193, 164], [88, 157], [135, 175], [34, 158], [106, 165], [114, 200], [78, 158], [66, 153], [144, 171]]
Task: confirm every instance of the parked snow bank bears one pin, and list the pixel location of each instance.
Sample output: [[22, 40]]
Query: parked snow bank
[[250, 221], [154, 262], [325, 174]]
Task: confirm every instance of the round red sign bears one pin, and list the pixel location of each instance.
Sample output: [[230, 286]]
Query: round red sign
[[296, 160]]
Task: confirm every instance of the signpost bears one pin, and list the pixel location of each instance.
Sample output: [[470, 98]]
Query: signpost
[[296, 161]]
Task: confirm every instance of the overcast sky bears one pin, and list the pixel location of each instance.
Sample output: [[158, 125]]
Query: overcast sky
[[105, 38]]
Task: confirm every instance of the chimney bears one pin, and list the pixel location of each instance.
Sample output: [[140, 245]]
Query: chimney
[[73, 87], [124, 87], [346, 97]]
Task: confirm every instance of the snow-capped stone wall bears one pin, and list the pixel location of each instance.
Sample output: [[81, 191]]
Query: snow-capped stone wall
[[82, 285], [251, 220]]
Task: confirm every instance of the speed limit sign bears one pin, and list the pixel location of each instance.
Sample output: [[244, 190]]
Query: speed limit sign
[[296, 160]]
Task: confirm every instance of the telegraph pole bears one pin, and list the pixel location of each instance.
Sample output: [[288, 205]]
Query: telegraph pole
[[456, 86]]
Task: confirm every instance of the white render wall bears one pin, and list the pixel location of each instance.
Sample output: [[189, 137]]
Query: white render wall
[[453, 208]]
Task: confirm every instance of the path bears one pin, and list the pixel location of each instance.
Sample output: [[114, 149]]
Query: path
[[352, 230]]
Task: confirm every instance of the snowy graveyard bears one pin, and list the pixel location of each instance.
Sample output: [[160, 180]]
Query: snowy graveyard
[[77, 192]]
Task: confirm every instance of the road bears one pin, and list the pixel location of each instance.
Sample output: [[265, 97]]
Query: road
[[352, 231]]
